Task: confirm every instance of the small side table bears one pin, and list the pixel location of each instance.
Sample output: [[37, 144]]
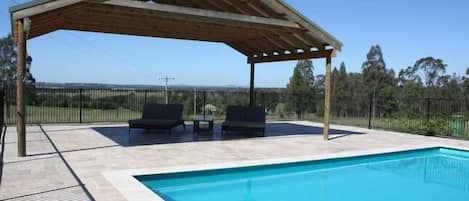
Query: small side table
[[198, 119]]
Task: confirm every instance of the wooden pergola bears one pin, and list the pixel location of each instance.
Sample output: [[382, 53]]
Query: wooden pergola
[[262, 30]]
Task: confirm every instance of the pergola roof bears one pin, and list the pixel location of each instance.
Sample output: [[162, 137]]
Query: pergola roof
[[263, 30]]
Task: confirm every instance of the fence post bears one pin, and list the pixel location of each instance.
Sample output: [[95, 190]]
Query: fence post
[[370, 111], [428, 109], [195, 102], [81, 105], [145, 96], [298, 109]]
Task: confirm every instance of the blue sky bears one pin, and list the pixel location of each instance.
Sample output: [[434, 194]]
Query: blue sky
[[406, 30]]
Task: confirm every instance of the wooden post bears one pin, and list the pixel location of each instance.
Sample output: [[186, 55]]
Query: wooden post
[[20, 103], [327, 98], [251, 86]]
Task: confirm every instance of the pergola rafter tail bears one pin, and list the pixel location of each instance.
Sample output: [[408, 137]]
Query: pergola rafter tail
[[262, 30], [293, 56]]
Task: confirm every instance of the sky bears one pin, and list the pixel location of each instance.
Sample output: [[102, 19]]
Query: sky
[[406, 30]]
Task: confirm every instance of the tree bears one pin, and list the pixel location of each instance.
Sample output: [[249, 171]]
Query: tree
[[426, 72], [339, 89], [378, 79], [300, 89], [357, 99], [465, 84], [319, 90], [8, 64], [374, 69], [450, 87]]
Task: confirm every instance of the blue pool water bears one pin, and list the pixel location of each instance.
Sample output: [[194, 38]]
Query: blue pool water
[[436, 174]]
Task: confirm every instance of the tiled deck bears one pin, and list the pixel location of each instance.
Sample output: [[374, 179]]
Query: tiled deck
[[85, 152]]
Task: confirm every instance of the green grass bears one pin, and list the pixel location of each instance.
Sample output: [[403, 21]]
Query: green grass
[[42, 114]]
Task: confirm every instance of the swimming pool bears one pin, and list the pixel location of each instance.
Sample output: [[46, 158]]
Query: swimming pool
[[427, 174]]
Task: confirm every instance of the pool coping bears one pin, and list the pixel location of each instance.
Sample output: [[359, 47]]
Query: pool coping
[[133, 190]]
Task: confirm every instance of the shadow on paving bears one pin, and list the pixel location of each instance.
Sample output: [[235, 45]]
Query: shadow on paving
[[149, 137]]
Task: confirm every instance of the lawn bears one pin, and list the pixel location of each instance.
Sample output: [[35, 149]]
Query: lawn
[[43, 114]]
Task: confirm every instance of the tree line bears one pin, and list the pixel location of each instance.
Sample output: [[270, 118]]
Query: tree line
[[376, 85]]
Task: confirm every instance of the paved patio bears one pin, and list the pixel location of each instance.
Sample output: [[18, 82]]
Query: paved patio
[[66, 162]]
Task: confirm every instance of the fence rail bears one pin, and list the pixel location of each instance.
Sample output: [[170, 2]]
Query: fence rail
[[432, 116]]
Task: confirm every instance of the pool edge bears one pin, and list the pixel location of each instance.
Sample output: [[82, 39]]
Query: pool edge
[[133, 190]]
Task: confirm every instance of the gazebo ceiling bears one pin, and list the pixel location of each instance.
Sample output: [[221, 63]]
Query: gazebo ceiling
[[263, 30]]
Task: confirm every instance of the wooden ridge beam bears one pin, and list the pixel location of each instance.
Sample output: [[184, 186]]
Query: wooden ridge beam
[[156, 23], [293, 56], [201, 15], [135, 31]]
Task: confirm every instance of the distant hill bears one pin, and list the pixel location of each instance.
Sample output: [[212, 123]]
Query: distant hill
[[138, 87]]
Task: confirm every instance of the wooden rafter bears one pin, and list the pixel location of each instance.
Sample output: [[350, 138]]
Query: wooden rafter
[[293, 56], [206, 16]]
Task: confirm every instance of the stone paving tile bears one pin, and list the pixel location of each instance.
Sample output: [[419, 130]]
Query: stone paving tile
[[73, 193], [34, 176], [92, 149]]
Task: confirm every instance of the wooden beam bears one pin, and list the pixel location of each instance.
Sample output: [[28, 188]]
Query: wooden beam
[[195, 14], [20, 102], [130, 18], [275, 38], [293, 56], [251, 86], [313, 30], [327, 99], [245, 49], [249, 3], [238, 48], [154, 31], [49, 6]]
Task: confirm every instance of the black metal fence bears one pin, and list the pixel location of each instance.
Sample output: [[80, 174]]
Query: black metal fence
[[415, 115], [428, 116]]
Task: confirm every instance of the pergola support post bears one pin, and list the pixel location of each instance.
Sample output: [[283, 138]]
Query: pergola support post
[[327, 98], [20, 90], [251, 86]]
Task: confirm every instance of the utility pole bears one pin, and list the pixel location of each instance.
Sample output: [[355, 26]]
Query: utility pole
[[166, 80]]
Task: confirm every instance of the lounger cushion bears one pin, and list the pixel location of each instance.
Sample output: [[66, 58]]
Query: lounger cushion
[[144, 123], [243, 124]]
